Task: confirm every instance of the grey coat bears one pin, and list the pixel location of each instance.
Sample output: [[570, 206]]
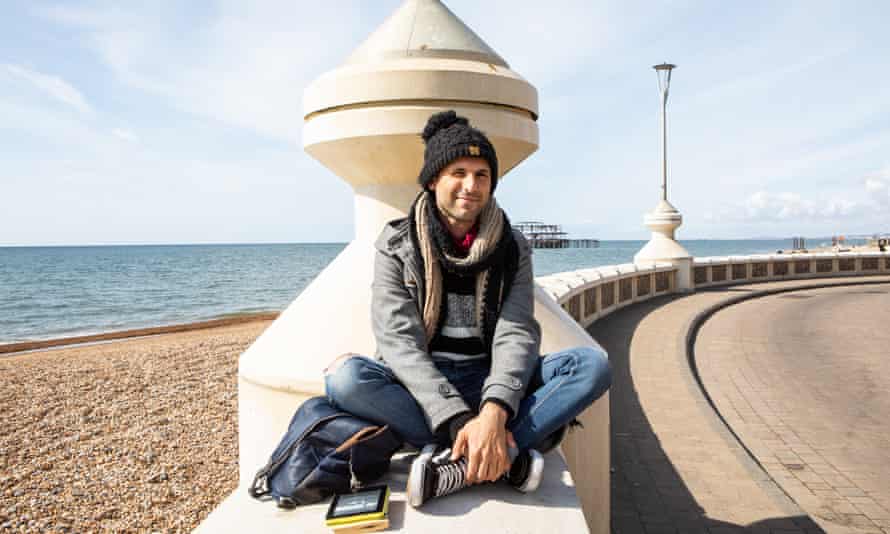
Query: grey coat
[[398, 294]]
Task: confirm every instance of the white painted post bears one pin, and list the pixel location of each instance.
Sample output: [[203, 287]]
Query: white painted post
[[665, 219]]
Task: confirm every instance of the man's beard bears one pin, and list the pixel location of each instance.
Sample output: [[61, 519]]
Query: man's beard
[[461, 218]]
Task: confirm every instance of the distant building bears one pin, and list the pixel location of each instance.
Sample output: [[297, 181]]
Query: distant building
[[541, 235]]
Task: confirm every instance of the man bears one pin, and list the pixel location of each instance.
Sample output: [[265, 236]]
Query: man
[[458, 369]]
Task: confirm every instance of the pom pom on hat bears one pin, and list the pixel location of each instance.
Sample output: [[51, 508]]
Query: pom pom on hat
[[448, 137], [440, 121]]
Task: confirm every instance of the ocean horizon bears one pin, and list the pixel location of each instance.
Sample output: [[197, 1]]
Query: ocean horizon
[[49, 292]]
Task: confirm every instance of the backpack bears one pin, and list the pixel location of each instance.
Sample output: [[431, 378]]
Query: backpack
[[325, 450]]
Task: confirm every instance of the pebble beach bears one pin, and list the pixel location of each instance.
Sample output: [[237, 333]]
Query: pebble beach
[[136, 435]]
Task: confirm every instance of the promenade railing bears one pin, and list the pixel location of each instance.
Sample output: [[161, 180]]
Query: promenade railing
[[718, 271], [590, 294]]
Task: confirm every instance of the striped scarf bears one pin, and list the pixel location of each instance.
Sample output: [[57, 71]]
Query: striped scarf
[[491, 252]]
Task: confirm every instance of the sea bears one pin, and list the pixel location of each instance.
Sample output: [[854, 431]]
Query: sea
[[52, 292]]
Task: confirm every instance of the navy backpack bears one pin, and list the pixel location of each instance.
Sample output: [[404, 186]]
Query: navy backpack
[[325, 450]]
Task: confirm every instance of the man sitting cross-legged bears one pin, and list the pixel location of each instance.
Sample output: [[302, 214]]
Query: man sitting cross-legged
[[458, 369]]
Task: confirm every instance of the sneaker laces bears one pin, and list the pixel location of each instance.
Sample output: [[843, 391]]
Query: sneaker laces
[[450, 475]]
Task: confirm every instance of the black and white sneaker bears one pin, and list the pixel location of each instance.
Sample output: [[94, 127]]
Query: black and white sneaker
[[526, 470], [434, 475]]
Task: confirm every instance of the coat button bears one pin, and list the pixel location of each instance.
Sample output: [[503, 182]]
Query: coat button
[[444, 389], [515, 383]]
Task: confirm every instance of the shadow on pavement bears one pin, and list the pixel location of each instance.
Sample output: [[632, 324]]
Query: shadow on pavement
[[648, 495]]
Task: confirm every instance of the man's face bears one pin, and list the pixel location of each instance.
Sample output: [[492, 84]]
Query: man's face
[[462, 189]]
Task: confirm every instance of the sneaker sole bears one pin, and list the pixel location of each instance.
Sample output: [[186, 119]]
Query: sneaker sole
[[537, 470], [415, 476]]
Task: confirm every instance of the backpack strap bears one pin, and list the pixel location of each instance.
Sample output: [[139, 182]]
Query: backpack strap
[[369, 432], [360, 435]]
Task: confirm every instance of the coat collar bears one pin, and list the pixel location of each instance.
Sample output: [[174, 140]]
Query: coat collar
[[393, 236]]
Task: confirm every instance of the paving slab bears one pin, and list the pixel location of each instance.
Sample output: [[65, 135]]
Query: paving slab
[[810, 368], [676, 465]]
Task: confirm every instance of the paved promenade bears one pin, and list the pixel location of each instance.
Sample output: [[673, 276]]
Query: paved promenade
[[803, 379], [676, 466]]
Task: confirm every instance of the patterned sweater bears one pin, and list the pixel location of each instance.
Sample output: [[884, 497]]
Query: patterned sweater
[[458, 337]]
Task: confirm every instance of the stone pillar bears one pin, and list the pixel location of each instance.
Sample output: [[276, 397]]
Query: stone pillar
[[363, 122], [664, 221]]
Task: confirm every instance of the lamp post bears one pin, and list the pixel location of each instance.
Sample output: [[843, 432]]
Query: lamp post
[[664, 83], [665, 218]]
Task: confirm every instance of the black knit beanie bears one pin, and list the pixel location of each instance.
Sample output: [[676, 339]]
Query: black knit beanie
[[449, 137]]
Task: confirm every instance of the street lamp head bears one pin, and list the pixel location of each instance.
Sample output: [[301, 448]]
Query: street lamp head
[[664, 75]]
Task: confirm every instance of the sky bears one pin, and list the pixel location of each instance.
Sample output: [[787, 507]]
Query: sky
[[180, 122]]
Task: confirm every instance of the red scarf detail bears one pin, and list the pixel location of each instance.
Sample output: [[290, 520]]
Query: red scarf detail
[[463, 245]]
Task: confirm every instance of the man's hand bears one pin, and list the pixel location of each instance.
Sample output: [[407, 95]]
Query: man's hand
[[484, 441]]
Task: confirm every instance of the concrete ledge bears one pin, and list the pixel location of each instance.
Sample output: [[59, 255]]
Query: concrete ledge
[[484, 508], [282, 378]]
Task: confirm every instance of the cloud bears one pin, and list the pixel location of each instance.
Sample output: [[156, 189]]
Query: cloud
[[52, 86], [548, 45], [248, 66], [839, 207], [241, 64], [125, 135], [877, 185], [868, 200], [94, 188], [778, 206], [763, 206], [754, 109]]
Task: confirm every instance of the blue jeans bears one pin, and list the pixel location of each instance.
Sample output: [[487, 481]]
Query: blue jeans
[[562, 386]]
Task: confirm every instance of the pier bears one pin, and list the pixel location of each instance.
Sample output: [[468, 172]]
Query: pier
[[542, 235]]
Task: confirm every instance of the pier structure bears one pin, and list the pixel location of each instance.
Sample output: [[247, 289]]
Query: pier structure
[[362, 121], [543, 235]]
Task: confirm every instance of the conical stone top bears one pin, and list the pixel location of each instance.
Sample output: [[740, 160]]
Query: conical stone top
[[422, 53], [425, 28], [363, 119], [665, 208]]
